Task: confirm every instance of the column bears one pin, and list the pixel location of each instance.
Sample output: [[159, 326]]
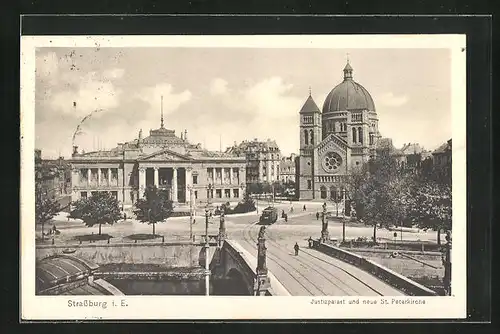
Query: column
[[75, 182], [174, 184], [89, 175], [98, 177], [189, 180], [109, 177], [156, 178], [142, 181], [231, 175]]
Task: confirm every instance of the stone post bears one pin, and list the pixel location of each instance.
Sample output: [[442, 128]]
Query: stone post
[[324, 226], [262, 280]]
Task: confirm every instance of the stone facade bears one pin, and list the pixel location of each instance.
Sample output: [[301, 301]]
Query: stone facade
[[335, 140], [263, 160], [287, 169], [187, 171]]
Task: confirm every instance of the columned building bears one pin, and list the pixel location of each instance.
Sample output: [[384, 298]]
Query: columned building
[[185, 170]]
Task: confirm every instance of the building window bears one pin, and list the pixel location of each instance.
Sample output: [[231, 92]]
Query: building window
[[312, 137], [323, 192], [114, 194], [196, 194], [83, 194], [218, 193], [309, 184], [195, 179], [353, 135], [236, 193], [306, 137], [93, 193], [360, 135], [357, 162], [227, 193]]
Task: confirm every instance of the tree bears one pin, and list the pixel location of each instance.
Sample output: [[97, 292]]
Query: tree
[[432, 206], [155, 207], [100, 208], [246, 205], [379, 191], [45, 207]]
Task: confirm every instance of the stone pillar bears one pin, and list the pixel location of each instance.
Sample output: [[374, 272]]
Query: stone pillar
[[109, 176], [174, 184], [231, 175], [142, 181], [89, 175], [98, 177], [156, 178], [189, 180], [262, 281], [325, 238], [75, 182]]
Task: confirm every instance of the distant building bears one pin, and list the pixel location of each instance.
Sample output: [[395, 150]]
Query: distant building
[[263, 159], [53, 176], [441, 158], [287, 169]]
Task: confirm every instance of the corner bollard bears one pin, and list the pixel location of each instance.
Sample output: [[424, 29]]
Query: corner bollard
[[262, 280]]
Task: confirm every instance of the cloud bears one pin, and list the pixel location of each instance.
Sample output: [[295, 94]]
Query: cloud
[[269, 110], [218, 86], [171, 101], [389, 99], [89, 95], [114, 73]]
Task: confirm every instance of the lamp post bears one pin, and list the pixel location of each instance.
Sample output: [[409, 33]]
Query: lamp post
[[191, 206], [343, 216], [207, 249], [324, 226]]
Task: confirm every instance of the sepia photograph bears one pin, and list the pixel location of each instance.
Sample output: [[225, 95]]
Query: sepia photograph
[[202, 166]]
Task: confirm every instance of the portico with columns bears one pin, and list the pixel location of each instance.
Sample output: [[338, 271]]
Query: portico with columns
[[187, 171]]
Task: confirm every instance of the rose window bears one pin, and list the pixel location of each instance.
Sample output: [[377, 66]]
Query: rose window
[[332, 162]]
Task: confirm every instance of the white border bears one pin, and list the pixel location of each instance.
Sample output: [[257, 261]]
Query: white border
[[199, 307]]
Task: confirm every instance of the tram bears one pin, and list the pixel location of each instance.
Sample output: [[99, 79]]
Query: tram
[[269, 216]]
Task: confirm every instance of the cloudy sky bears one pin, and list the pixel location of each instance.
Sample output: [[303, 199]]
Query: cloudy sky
[[230, 93]]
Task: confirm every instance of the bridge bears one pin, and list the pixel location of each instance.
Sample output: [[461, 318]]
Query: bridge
[[320, 270]]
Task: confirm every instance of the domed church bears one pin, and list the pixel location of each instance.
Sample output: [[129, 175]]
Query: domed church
[[336, 139]]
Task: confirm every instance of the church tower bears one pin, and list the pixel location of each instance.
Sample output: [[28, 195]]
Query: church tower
[[310, 137]]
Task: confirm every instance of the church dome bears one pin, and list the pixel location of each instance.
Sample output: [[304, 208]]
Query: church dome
[[348, 95]]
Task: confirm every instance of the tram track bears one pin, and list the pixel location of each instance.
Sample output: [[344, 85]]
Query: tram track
[[248, 238], [314, 267]]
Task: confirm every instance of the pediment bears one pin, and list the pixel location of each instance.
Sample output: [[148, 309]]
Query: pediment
[[165, 155], [332, 143]]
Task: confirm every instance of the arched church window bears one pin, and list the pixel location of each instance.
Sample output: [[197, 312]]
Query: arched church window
[[360, 135], [354, 135], [323, 192], [312, 137], [306, 137]]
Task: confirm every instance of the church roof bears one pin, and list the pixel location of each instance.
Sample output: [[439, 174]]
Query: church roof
[[348, 95], [309, 106]]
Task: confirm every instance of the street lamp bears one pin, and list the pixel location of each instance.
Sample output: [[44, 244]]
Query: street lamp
[[207, 249]]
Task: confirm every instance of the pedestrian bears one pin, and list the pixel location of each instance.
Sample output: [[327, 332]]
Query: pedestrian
[[304, 207], [296, 248], [291, 208], [286, 218], [311, 242], [124, 216], [317, 215]]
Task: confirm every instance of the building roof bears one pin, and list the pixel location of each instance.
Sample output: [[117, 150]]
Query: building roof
[[309, 106], [348, 95], [250, 146], [157, 141], [68, 275], [444, 148]]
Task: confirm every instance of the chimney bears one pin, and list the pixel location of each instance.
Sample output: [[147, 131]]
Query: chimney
[[182, 136], [75, 150], [185, 134]]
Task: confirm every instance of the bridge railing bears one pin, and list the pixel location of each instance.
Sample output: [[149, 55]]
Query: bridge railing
[[391, 277]]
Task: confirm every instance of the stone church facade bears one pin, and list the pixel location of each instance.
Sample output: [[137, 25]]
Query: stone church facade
[[336, 139]]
